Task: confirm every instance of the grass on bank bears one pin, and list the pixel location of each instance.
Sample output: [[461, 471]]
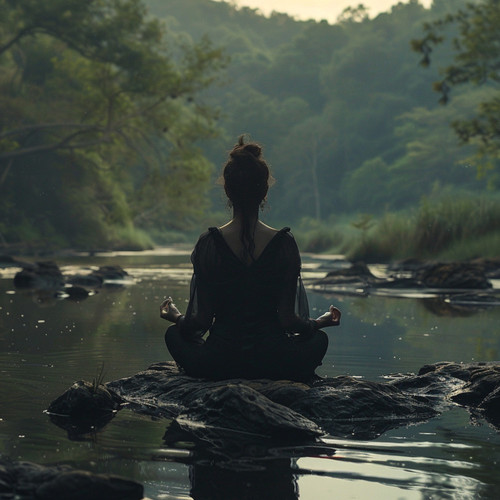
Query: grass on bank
[[449, 229]]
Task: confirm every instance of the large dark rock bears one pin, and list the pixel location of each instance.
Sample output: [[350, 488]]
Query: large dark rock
[[41, 276], [29, 481], [340, 406], [453, 275], [490, 266], [240, 408], [358, 272], [412, 274]]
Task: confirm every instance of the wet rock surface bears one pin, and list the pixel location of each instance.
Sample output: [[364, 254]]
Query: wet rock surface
[[446, 289], [237, 423], [453, 275], [340, 406], [84, 407], [29, 481], [416, 274]]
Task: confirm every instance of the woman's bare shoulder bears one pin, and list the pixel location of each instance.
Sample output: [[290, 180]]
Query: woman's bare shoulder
[[264, 228]]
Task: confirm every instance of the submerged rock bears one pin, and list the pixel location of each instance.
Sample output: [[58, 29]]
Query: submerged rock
[[29, 481]]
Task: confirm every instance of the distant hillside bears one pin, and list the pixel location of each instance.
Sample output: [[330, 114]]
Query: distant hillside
[[344, 107], [224, 22]]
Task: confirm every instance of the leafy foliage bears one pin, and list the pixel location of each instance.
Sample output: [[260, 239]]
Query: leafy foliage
[[476, 61], [96, 94], [112, 115]]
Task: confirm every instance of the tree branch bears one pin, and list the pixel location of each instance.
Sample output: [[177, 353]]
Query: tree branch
[[45, 148], [47, 126], [16, 38]]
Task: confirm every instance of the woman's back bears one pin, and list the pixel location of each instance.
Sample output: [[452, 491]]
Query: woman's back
[[262, 235], [244, 297]]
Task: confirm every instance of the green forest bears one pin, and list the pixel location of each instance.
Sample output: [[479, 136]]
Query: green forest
[[383, 132]]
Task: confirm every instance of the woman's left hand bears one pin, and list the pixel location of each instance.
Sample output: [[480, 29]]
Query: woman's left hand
[[169, 311]]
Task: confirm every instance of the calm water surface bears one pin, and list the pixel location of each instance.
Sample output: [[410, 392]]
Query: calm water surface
[[47, 344]]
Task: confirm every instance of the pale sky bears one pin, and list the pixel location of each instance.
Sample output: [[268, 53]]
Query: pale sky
[[319, 9]]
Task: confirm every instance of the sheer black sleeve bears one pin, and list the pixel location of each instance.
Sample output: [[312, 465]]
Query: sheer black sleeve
[[200, 311], [293, 309]]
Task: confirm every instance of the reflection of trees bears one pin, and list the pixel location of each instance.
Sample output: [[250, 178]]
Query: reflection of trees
[[440, 307], [410, 330]]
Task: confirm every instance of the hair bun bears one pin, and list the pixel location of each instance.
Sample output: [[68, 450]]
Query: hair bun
[[253, 149], [241, 149]]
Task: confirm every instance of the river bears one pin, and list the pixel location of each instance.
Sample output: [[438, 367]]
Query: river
[[46, 344]]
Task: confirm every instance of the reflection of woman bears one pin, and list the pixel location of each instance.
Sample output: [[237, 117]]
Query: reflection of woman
[[245, 289]]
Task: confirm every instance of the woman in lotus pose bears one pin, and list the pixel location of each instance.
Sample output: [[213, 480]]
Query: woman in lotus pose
[[246, 291]]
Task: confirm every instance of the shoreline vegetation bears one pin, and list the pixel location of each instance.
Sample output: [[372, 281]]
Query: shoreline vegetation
[[370, 168], [446, 229]]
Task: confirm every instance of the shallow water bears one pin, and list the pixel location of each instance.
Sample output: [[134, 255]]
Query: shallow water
[[47, 344]]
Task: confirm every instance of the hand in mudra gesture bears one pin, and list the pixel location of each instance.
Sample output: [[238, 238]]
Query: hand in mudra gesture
[[169, 311], [330, 318]]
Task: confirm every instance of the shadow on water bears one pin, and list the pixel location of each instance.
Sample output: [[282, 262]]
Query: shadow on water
[[225, 465]]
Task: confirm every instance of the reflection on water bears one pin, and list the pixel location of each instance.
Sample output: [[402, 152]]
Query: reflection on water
[[47, 343]]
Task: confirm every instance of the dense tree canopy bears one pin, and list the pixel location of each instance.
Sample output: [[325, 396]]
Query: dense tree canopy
[[113, 112], [99, 110]]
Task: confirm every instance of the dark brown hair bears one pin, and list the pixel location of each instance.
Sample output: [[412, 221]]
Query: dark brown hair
[[246, 181]]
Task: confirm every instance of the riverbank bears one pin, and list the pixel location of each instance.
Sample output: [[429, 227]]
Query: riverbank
[[446, 229]]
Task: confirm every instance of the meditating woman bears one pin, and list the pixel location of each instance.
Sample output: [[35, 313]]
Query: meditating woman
[[246, 291]]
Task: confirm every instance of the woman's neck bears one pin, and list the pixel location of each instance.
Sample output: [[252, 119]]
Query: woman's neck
[[238, 218]]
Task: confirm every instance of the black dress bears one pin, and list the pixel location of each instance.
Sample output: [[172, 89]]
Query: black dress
[[257, 314]]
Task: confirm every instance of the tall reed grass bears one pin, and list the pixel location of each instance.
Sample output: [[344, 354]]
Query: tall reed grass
[[458, 228], [316, 237]]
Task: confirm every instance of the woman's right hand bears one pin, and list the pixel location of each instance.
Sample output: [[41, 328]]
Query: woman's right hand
[[169, 311], [330, 318]]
